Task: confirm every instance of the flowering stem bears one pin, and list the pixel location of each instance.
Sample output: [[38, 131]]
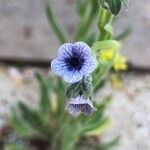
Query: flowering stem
[[101, 77], [54, 25], [105, 18], [101, 18], [102, 74]]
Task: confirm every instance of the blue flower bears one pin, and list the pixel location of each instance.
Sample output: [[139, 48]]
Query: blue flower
[[79, 105], [73, 62]]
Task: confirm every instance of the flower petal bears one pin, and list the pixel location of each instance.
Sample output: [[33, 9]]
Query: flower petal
[[74, 61], [82, 48], [73, 76], [87, 109], [88, 66], [65, 50], [73, 111], [59, 67], [80, 105]]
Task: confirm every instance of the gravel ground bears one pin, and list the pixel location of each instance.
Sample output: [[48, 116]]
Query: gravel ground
[[129, 110], [130, 113]]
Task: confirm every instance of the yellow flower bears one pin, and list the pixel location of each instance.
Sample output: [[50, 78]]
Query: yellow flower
[[120, 62], [113, 54], [107, 55], [116, 81]]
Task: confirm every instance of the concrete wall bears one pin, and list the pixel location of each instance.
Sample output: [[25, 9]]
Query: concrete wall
[[24, 30]]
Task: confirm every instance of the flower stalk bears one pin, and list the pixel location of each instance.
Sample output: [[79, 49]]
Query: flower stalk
[[105, 18]]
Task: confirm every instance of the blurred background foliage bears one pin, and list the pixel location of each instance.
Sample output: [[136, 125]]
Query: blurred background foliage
[[50, 128], [87, 13]]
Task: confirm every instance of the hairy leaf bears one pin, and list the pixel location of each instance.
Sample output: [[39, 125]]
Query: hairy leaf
[[115, 6], [106, 44], [35, 119], [97, 127], [14, 147], [21, 126], [109, 145], [44, 90]]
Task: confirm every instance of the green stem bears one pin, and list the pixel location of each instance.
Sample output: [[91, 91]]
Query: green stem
[[54, 25], [102, 76], [108, 35], [105, 17], [101, 18], [109, 18]]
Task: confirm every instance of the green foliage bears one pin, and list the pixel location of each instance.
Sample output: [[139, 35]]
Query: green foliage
[[57, 127], [100, 74], [115, 6], [97, 128], [36, 119], [106, 44], [87, 12], [102, 2], [21, 126], [110, 145], [14, 147], [44, 88]]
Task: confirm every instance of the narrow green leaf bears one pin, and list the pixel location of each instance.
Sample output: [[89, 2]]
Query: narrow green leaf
[[95, 7], [14, 147], [109, 145], [101, 84], [101, 108], [44, 90], [57, 30], [86, 21], [115, 6], [21, 126], [37, 120], [81, 7], [70, 136], [97, 127], [60, 91], [105, 103]]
